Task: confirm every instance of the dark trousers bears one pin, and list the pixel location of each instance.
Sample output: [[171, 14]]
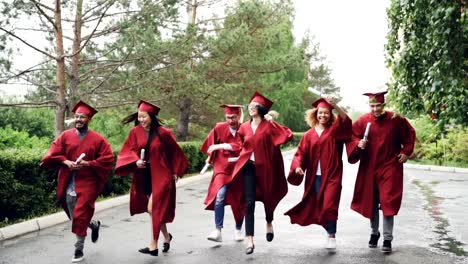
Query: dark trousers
[[250, 178], [331, 225]]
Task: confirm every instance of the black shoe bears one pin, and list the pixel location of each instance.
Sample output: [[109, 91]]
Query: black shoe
[[270, 236], [167, 245], [249, 250], [387, 246], [79, 256], [95, 231], [373, 240], [146, 250]]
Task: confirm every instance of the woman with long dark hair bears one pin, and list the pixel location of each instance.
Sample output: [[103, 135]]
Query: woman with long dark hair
[[260, 169], [318, 157], [155, 160]]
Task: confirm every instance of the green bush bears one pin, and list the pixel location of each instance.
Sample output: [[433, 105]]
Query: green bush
[[36, 122], [435, 147], [195, 156], [10, 138], [25, 190]]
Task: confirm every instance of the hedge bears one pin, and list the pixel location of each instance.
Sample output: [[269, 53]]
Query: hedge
[[26, 191]]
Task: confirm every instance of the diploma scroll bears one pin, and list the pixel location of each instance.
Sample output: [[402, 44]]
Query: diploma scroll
[[142, 154], [80, 158], [205, 168], [366, 133]]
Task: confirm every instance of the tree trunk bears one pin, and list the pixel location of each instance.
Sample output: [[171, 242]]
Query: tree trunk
[[185, 108], [60, 99], [75, 63], [185, 104]]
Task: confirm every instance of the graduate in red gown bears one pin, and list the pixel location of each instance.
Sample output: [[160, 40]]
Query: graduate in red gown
[[80, 181], [260, 168], [155, 160], [319, 157], [223, 147], [382, 152]]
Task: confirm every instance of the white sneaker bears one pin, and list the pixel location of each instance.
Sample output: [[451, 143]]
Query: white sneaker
[[238, 236], [331, 244], [215, 236]]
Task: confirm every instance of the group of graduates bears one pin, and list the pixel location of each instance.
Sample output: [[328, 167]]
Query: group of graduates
[[247, 167]]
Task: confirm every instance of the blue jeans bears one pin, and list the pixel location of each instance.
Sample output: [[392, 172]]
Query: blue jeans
[[219, 208], [331, 225]]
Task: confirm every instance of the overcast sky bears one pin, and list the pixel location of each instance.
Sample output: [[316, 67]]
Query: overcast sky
[[352, 35]]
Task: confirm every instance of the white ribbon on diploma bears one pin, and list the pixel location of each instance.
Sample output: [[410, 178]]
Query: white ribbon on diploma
[[366, 133], [80, 158]]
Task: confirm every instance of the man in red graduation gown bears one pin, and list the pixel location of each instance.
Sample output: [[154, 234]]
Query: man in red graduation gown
[[382, 152], [223, 147], [81, 178]]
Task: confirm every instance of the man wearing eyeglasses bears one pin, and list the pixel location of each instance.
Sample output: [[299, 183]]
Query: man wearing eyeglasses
[[84, 159]]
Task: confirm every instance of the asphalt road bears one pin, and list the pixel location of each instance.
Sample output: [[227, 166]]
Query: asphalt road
[[430, 228]]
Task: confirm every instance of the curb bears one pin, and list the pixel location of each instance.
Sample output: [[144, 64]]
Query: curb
[[435, 168], [43, 222]]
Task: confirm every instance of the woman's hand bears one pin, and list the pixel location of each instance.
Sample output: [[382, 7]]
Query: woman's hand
[[175, 177]]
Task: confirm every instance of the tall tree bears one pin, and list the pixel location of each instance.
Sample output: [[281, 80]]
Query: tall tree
[[68, 40], [427, 54], [214, 60]]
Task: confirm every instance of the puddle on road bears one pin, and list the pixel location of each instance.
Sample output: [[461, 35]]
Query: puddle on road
[[445, 242]]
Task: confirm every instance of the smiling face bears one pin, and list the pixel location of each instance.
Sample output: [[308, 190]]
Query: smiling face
[[81, 120], [377, 109], [253, 109], [323, 115], [144, 119]]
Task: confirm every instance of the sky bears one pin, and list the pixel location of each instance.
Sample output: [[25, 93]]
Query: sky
[[352, 35]]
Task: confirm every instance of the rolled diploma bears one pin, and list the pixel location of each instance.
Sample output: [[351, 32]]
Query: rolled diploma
[[142, 154], [80, 158], [366, 133], [205, 168]]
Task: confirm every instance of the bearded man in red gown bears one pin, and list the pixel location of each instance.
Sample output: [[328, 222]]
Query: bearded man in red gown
[[84, 159]]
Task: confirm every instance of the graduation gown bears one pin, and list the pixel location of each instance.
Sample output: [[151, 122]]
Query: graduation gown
[[222, 169], [89, 181], [271, 185], [165, 159], [328, 149], [389, 135]]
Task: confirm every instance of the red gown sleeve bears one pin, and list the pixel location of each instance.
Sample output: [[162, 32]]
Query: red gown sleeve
[[407, 136], [300, 160], [209, 140], [343, 128], [103, 164], [55, 155], [279, 133], [352, 149], [126, 161], [176, 158]]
